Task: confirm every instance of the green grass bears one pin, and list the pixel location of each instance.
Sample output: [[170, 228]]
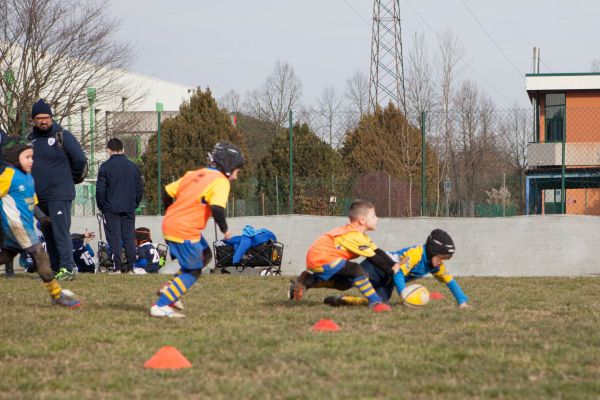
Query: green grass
[[525, 338]]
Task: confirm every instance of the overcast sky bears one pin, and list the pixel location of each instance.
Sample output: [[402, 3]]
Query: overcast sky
[[233, 44]]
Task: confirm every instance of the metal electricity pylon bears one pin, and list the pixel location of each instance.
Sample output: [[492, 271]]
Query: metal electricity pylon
[[387, 66]]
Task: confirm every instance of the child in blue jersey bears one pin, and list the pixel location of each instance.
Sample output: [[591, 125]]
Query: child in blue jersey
[[83, 254], [413, 262], [17, 202], [149, 258]]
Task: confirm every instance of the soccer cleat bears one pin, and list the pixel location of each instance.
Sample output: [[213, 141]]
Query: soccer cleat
[[66, 301], [165, 312], [177, 305], [298, 287], [334, 301], [65, 275], [380, 307], [138, 271], [337, 301]]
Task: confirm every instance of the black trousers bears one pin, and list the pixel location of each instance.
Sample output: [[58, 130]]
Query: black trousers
[[120, 233], [58, 235]]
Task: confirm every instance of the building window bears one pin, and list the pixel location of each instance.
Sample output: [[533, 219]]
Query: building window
[[555, 117]]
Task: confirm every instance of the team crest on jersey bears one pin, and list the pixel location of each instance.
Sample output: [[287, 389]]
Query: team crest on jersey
[[51, 141], [21, 188]]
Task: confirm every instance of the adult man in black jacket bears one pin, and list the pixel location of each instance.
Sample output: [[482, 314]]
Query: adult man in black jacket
[[119, 190], [59, 162]]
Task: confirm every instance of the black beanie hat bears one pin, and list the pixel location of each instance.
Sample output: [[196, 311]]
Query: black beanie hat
[[40, 107], [142, 234], [439, 243], [11, 151]]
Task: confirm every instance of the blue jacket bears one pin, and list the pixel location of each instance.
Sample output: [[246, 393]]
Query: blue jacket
[[250, 238], [119, 187], [53, 167]]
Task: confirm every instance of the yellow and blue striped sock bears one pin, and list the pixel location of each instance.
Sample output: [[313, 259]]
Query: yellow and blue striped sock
[[176, 288], [363, 284], [53, 288]]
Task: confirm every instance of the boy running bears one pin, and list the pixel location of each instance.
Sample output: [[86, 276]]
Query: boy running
[[198, 195]]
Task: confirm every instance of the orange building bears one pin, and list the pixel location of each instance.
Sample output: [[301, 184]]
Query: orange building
[[565, 153]]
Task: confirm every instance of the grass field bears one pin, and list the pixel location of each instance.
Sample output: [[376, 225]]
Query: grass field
[[525, 338]]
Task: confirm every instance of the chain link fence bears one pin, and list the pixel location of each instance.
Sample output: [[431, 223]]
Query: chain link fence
[[472, 161]]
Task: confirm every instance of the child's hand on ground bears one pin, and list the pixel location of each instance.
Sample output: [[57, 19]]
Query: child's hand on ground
[[89, 235], [227, 235]]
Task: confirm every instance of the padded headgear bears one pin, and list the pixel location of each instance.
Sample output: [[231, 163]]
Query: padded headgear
[[439, 243], [11, 151], [226, 157]]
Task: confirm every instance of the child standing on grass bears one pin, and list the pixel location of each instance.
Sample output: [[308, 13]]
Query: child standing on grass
[[328, 260], [17, 202], [198, 195], [414, 263]]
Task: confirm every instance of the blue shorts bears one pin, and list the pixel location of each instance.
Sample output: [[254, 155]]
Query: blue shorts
[[190, 255], [329, 271]]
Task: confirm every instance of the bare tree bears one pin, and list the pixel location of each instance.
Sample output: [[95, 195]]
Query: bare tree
[[329, 107], [450, 54], [230, 101], [357, 94], [419, 81], [56, 49], [596, 65], [279, 94]]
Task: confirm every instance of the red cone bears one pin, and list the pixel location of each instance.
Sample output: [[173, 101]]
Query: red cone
[[436, 296], [168, 357], [326, 325]]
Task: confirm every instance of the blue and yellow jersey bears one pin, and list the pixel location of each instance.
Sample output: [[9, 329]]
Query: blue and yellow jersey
[[343, 243], [17, 200], [194, 193], [417, 266]]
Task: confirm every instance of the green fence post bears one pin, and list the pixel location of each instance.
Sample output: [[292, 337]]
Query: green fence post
[[91, 95], [159, 109], [9, 78], [277, 194], [291, 164], [423, 165], [563, 194], [23, 123]]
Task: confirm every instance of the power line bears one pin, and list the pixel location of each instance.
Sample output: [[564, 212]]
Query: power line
[[357, 13], [509, 102], [491, 38], [525, 39]]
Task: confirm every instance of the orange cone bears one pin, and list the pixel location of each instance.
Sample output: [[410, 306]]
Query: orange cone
[[325, 325], [436, 296], [168, 357]]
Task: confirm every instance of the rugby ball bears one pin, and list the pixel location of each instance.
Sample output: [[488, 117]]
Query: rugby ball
[[415, 295]]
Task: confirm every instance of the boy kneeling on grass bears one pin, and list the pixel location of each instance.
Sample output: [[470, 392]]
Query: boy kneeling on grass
[[17, 203], [328, 260], [414, 262]]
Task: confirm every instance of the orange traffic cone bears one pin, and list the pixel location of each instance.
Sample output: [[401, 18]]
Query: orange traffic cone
[[325, 325], [168, 357], [436, 296]]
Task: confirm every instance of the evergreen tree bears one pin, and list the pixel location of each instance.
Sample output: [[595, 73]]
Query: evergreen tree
[[319, 173], [186, 141], [385, 143]]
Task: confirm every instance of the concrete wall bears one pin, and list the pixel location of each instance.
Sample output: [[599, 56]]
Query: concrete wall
[[553, 245]]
